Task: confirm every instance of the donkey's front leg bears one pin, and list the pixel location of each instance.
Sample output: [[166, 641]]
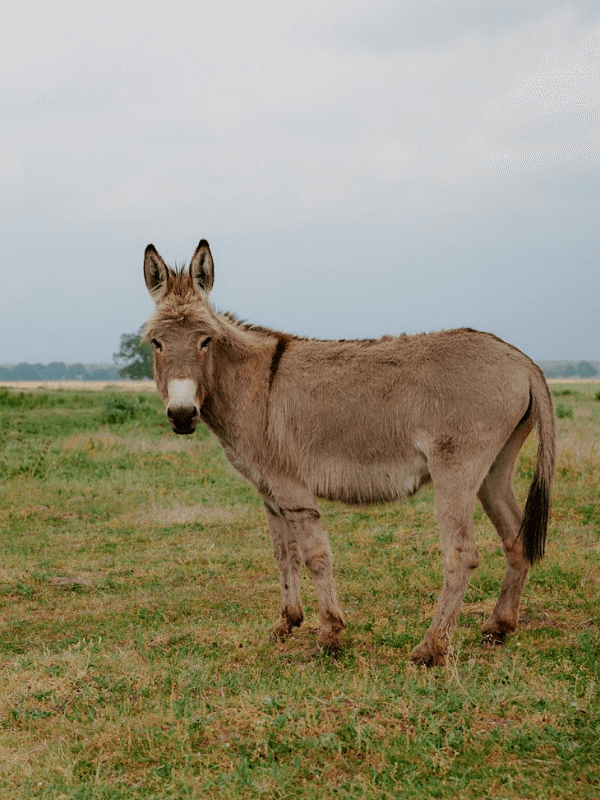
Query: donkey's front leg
[[306, 527], [287, 554]]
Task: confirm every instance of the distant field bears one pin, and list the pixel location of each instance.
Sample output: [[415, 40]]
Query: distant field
[[137, 588], [554, 381], [78, 385]]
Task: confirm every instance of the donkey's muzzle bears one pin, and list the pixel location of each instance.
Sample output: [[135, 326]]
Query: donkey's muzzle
[[183, 419]]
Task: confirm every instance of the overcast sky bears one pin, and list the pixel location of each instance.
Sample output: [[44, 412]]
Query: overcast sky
[[359, 167]]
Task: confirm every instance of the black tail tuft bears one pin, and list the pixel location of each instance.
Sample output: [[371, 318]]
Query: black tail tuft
[[534, 525]]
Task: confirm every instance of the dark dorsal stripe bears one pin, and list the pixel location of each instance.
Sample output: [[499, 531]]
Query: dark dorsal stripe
[[280, 347]]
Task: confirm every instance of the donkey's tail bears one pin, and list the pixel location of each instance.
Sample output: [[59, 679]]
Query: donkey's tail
[[534, 525]]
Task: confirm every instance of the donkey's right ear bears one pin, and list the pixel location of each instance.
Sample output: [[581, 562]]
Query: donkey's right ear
[[155, 273], [202, 268]]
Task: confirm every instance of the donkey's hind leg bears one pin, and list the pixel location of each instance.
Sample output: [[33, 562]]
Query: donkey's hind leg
[[287, 554], [500, 504], [455, 506]]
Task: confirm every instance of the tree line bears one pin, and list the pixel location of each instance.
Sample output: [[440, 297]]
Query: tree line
[[133, 360], [56, 371], [581, 369]]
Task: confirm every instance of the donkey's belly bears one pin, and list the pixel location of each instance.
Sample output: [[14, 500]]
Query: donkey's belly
[[353, 482]]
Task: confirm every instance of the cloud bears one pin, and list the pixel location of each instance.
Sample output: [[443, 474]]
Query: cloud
[[561, 87], [566, 92], [580, 151], [392, 26]]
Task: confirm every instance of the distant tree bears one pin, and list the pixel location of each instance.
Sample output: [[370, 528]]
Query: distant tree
[[583, 369], [101, 375], [586, 370], [76, 372], [27, 372], [55, 371], [134, 356]]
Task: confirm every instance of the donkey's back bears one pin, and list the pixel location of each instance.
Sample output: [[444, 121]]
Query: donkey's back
[[361, 420]]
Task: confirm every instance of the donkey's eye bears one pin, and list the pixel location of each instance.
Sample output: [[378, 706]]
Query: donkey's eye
[[203, 343], [155, 343]]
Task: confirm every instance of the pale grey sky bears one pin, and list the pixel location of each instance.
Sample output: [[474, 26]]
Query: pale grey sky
[[359, 167]]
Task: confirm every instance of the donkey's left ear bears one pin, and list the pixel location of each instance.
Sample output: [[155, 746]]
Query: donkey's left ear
[[155, 273], [202, 268]]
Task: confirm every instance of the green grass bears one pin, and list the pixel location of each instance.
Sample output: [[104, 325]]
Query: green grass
[[137, 588]]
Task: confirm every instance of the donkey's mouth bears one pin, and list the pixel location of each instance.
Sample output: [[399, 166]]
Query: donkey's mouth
[[183, 430]]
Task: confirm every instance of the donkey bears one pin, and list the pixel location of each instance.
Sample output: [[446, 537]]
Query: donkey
[[361, 421]]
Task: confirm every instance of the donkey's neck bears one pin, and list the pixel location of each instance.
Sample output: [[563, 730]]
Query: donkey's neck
[[236, 403]]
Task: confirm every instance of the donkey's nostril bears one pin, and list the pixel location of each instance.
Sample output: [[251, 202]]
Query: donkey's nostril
[[183, 419]]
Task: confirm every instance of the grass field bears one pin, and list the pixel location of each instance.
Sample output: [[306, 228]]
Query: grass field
[[137, 587]]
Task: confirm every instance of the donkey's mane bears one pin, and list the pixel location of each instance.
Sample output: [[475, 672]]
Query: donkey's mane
[[252, 328]]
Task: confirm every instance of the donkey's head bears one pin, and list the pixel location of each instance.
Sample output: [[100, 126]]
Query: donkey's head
[[181, 331]]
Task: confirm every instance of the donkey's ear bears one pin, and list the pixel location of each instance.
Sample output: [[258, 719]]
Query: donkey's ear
[[155, 273], [202, 268]]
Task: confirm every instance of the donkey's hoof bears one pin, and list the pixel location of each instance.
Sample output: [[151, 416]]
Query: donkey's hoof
[[494, 630], [285, 626], [280, 631], [329, 642], [493, 638], [425, 655]]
